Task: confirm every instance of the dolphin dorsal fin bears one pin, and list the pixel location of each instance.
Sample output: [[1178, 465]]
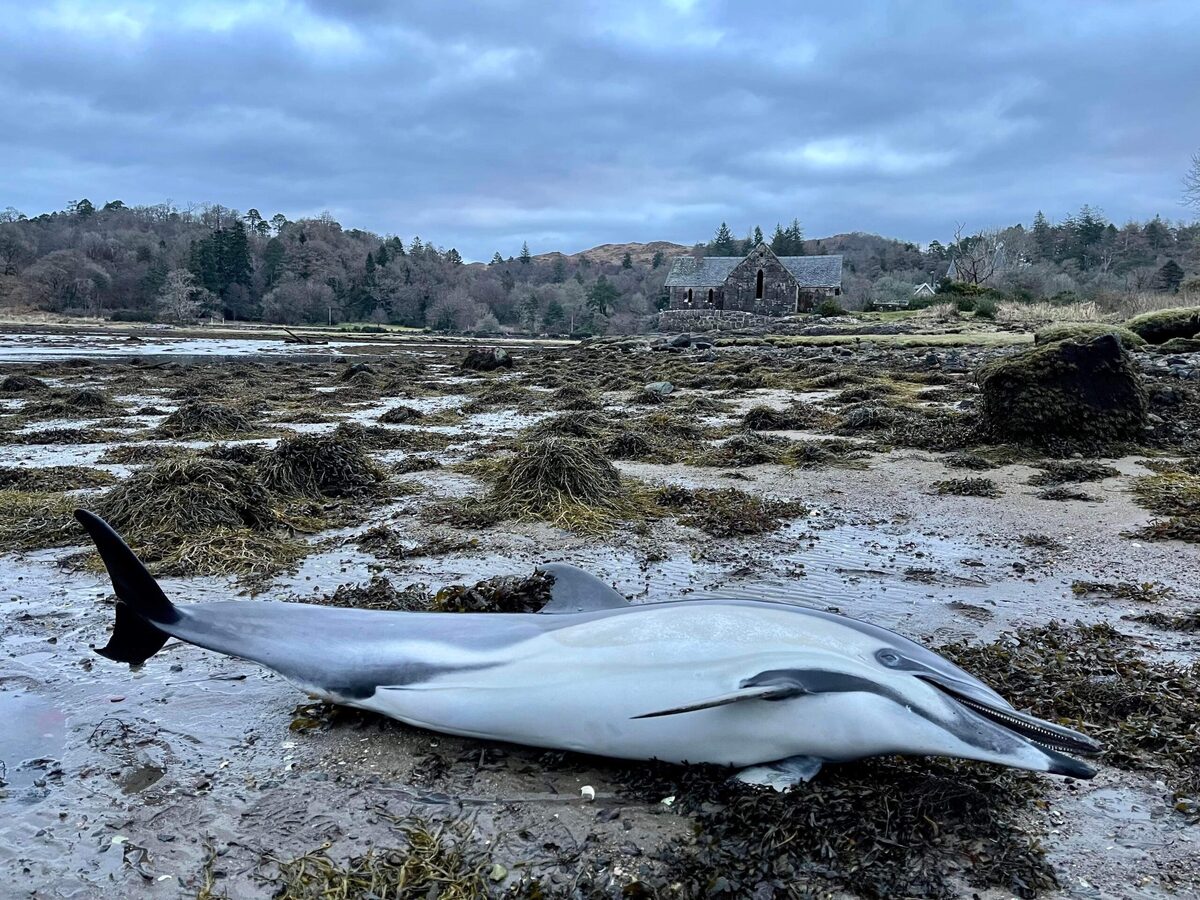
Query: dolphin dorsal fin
[[575, 591]]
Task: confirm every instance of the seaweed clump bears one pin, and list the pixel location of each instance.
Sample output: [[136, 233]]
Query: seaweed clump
[[747, 448], [199, 419], [22, 385], [1175, 498], [880, 828], [1072, 471], [435, 861], [401, 415], [1091, 677], [33, 520], [728, 512], [968, 487], [1067, 395], [378, 593], [966, 460], [53, 478], [328, 465], [502, 594], [196, 516], [1144, 592], [565, 481], [796, 417]]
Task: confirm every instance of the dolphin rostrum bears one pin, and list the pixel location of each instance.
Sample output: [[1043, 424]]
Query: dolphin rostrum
[[771, 688]]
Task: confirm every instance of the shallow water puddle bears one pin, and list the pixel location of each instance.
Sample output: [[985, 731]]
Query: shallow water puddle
[[31, 743]]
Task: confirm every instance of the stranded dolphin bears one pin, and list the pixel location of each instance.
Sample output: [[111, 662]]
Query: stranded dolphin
[[771, 688]]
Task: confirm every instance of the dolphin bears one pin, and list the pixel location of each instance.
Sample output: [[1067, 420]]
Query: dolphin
[[772, 689]]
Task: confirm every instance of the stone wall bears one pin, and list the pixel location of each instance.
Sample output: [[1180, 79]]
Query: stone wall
[[700, 298], [779, 286], [708, 319]]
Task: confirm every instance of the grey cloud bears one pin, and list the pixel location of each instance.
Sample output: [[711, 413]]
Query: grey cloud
[[482, 125]]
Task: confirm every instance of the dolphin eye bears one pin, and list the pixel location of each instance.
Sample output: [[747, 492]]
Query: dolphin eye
[[888, 657]]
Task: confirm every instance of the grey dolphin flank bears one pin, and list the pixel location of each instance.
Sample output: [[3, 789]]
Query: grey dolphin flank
[[770, 688]]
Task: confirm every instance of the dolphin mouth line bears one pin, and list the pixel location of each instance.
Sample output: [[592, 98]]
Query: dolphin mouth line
[[1037, 731]]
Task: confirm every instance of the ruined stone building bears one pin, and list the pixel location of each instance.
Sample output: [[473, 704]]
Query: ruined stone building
[[760, 283]]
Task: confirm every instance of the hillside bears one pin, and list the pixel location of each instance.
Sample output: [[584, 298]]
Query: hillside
[[614, 253]]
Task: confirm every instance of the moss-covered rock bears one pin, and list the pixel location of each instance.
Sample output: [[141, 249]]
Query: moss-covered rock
[[1179, 345], [1064, 395], [1164, 324], [1073, 331]]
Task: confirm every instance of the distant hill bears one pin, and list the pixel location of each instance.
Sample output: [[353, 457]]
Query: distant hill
[[614, 253]]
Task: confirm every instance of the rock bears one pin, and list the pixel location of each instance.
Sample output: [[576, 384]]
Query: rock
[[1064, 394], [487, 359], [1074, 331], [932, 361], [702, 344], [681, 340], [1164, 324], [662, 388]]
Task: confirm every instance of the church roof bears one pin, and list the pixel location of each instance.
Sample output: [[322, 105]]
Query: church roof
[[712, 271]]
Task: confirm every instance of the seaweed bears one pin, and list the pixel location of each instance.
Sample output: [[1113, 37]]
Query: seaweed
[[34, 520], [1175, 499], [965, 460], [1072, 472], [202, 419], [881, 828], [1063, 493], [502, 594], [378, 593], [727, 512], [747, 448], [968, 487], [385, 542], [818, 454], [1145, 592], [436, 860], [330, 465], [82, 403], [52, 479], [22, 385], [1091, 677], [1186, 622], [796, 417]]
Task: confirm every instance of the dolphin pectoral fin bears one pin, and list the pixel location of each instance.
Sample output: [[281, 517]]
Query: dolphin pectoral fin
[[781, 774], [777, 690], [576, 591]]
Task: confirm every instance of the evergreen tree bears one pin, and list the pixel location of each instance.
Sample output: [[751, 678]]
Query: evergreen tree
[[602, 295], [758, 236], [795, 239], [497, 259], [1169, 277], [526, 259], [627, 261], [369, 266], [558, 272], [555, 314], [397, 246], [454, 257], [272, 261], [1043, 238], [381, 256], [724, 243], [779, 243], [657, 260], [415, 248]]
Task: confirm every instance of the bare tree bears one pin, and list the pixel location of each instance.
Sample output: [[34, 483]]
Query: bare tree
[[181, 299], [1191, 183], [976, 257]]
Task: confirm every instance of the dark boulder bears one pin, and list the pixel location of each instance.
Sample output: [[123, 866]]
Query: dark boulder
[[1064, 395], [487, 359], [1160, 326]]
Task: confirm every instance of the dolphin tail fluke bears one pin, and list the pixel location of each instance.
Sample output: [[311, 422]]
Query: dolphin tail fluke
[[141, 604]]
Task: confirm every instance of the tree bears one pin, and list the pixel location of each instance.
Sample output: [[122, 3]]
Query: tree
[[757, 237], [974, 257], [1043, 237], [724, 243], [1169, 277], [279, 222], [627, 260], [1191, 183], [453, 257], [497, 259], [795, 239], [181, 299], [14, 249], [779, 241], [113, 205], [82, 208], [602, 295], [657, 260], [526, 259]]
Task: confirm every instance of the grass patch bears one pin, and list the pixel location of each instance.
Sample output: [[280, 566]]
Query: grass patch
[[968, 487]]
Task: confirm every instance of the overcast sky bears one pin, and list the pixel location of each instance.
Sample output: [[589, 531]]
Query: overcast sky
[[568, 124]]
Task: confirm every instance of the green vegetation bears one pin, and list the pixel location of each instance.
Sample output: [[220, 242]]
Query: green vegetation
[[1074, 331], [1165, 324], [198, 419]]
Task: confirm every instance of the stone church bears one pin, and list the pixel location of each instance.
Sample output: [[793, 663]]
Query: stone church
[[760, 283]]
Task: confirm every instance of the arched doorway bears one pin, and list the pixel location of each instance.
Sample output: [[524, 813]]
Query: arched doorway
[[758, 286], [711, 294]]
